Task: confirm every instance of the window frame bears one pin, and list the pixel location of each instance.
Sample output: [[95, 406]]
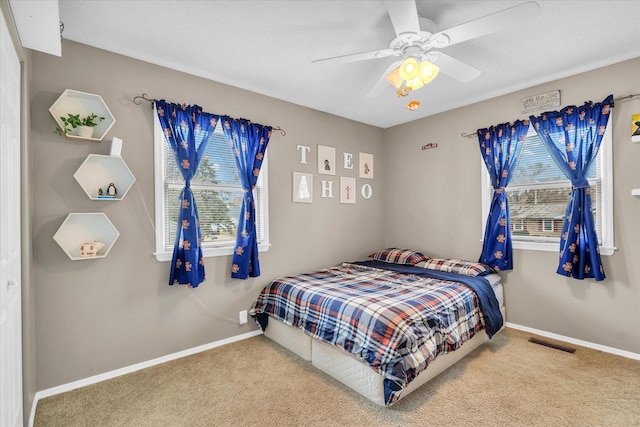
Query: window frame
[[517, 225], [548, 225], [605, 158], [261, 197]]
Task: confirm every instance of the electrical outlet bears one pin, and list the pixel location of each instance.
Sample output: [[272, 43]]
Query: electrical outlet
[[243, 317]]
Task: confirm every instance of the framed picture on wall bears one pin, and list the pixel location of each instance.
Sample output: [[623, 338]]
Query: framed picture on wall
[[635, 128], [302, 187], [326, 160], [366, 166], [347, 190]]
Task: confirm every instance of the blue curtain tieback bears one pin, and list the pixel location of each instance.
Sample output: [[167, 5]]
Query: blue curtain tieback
[[579, 183]]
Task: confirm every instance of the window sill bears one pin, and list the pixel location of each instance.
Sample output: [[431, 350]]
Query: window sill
[[554, 247], [209, 252]]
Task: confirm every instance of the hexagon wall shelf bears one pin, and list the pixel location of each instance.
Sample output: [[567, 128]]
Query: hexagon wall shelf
[[76, 102], [98, 171], [79, 228]]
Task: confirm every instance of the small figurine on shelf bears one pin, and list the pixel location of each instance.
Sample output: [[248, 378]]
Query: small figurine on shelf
[[111, 190], [100, 193], [90, 249]]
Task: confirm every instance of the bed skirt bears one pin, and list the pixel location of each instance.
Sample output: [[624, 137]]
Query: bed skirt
[[356, 375]]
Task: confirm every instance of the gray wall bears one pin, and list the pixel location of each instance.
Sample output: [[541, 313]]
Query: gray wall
[[94, 316], [440, 211]]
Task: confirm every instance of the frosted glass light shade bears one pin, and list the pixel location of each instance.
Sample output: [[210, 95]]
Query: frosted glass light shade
[[416, 83], [427, 71], [409, 69], [394, 77]]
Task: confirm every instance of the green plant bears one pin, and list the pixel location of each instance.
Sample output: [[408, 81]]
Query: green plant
[[73, 121]]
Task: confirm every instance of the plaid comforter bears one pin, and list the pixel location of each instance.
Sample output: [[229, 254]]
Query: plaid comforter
[[396, 323]]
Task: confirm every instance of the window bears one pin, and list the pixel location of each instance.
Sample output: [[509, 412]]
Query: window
[[218, 193], [539, 192]]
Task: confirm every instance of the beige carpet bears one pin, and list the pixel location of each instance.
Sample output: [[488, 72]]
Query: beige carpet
[[506, 382]]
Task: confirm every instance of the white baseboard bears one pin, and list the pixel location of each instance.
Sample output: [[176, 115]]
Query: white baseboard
[[138, 366], [587, 344], [128, 369]]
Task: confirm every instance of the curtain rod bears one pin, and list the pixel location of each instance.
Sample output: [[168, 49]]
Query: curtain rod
[[622, 98], [144, 97]]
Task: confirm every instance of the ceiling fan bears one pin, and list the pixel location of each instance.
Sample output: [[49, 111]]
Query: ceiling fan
[[412, 41]]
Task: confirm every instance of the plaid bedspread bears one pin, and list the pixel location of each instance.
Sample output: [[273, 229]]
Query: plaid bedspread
[[396, 323]]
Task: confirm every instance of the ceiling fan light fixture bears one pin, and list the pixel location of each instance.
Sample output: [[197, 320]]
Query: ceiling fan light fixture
[[394, 78], [427, 71], [409, 69], [403, 90], [415, 83], [413, 105]]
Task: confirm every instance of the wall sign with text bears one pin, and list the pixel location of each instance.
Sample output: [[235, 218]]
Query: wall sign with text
[[327, 163]]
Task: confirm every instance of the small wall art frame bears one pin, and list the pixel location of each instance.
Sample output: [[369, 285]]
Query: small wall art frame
[[326, 160], [302, 188], [365, 166], [347, 190], [635, 128]]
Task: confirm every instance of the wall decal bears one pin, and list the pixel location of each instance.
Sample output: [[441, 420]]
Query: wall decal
[[303, 153], [366, 191], [327, 189], [347, 160]]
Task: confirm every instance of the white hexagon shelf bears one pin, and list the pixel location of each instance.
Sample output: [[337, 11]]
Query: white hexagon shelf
[[76, 102], [86, 236], [99, 171]]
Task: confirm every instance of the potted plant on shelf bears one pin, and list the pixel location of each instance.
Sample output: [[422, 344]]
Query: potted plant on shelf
[[82, 127]]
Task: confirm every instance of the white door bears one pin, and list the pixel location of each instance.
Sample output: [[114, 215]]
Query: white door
[[10, 259]]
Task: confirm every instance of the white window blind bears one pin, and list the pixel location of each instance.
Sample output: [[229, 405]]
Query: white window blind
[[539, 192], [218, 193]]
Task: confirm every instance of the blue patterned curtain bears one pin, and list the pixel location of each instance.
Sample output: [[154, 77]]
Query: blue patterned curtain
[[573, 136], [500, 146], [249, 142], [187, 130]]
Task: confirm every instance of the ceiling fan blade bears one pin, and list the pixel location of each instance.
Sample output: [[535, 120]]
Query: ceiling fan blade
[[453, 67], [382, 83], [356, 57], [404, 16], [486, 25]]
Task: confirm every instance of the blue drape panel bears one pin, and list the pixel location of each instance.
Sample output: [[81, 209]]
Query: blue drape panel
[[573, 136], [249, 142], [500, 146], [187, 130]]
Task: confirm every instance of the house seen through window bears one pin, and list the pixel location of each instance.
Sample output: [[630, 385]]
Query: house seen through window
[[538, 194]]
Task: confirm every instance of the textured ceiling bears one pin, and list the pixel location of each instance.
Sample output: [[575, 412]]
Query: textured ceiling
[[268, 47]]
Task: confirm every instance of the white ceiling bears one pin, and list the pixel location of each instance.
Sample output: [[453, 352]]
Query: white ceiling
[[268, 47]]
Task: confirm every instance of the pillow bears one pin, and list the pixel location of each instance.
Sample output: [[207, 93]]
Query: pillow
[[466, 268], [399, 256]]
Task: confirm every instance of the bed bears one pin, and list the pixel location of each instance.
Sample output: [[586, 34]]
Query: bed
[[387, 325]]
